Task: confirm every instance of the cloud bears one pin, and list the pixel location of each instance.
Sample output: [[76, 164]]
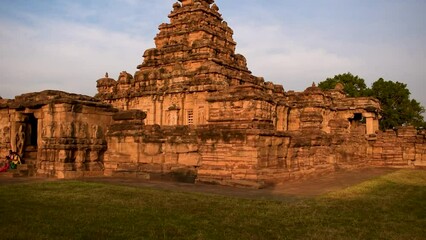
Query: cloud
[[287, 60], [297, 57], [63, 55]]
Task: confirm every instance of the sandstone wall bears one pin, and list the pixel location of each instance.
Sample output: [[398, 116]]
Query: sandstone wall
[[400, 148], [137, 150], [214, 155], [229, 156], [224, 154], [5, 132], [72, 140], [57, 134]]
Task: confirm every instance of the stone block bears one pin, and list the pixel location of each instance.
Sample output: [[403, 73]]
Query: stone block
[[409, 157], [93, 166], [110, 165], [118, 157], [127, 167], [145, 159], [64, 166], [181, 148], [151, 168], [129, 115], [189, 159], [152, 149], [171, 158], [158, 159]]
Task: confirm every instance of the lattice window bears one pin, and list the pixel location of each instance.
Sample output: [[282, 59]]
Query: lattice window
[[190, 117]]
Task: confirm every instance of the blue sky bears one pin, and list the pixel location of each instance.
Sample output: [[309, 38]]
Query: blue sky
[[68, 45]]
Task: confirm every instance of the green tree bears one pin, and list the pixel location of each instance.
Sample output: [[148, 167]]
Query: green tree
[[354, 86], [397, 107]]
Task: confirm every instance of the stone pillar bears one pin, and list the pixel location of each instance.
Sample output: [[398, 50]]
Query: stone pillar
[[282, 113], [370, 125], [376, 124], [13, 136]]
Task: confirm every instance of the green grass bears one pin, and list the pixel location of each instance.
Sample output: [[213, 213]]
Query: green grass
[[390, 207]]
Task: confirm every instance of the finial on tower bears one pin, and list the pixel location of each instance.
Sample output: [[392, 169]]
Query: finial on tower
[[190, 2], [176, 5], [106, 75]]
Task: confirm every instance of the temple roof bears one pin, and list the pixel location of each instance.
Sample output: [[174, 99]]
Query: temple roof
[[194, 51], [39, 99]]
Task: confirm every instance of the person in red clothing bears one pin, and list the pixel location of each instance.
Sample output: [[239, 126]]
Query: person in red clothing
[[14, 159], [5, 165]]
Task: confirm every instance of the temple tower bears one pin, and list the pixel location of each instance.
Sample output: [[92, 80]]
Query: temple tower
[[193, 58]]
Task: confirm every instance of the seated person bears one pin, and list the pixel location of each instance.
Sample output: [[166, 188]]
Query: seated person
[[14, 159], [5, 165]]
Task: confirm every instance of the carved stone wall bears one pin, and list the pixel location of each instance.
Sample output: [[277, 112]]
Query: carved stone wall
[[73, 140], [60, 134], [224, 154], [5, 132], [135, 149]]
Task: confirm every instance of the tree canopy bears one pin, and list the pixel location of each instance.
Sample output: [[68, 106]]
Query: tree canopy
[[398, 108], [354, 86]]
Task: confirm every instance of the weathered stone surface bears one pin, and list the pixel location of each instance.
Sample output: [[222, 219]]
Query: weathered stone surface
[[193, 111], [403, 147], [56, 132], [129, 115]]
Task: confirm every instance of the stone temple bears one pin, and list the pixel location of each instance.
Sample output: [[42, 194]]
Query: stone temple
[[194, 110]]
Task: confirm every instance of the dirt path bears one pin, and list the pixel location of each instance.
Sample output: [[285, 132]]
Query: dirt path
[[287, 191]]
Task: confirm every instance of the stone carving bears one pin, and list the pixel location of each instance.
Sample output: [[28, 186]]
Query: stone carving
[[6, 135], [49, 130], [125, 77], [240, 129], [68, 130], [173, 117], [97, 132], [20, 140], [82, 130]]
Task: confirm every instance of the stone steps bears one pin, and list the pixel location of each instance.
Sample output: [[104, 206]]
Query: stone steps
[[30, 161], [22, 170]]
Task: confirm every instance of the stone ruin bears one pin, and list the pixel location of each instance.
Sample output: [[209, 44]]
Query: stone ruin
[[194, 111], [57, 134]]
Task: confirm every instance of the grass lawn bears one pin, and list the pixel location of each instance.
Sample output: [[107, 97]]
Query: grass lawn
[[390, 207]]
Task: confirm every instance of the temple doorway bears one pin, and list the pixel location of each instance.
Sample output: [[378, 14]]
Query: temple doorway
[[31, 131], [31, 138]]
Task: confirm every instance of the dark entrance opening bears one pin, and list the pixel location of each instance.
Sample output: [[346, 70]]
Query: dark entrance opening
[[31, 131], [30, 128], [357, 121]]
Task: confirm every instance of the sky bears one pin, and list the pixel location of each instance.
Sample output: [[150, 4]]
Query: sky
[[68, 44]]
